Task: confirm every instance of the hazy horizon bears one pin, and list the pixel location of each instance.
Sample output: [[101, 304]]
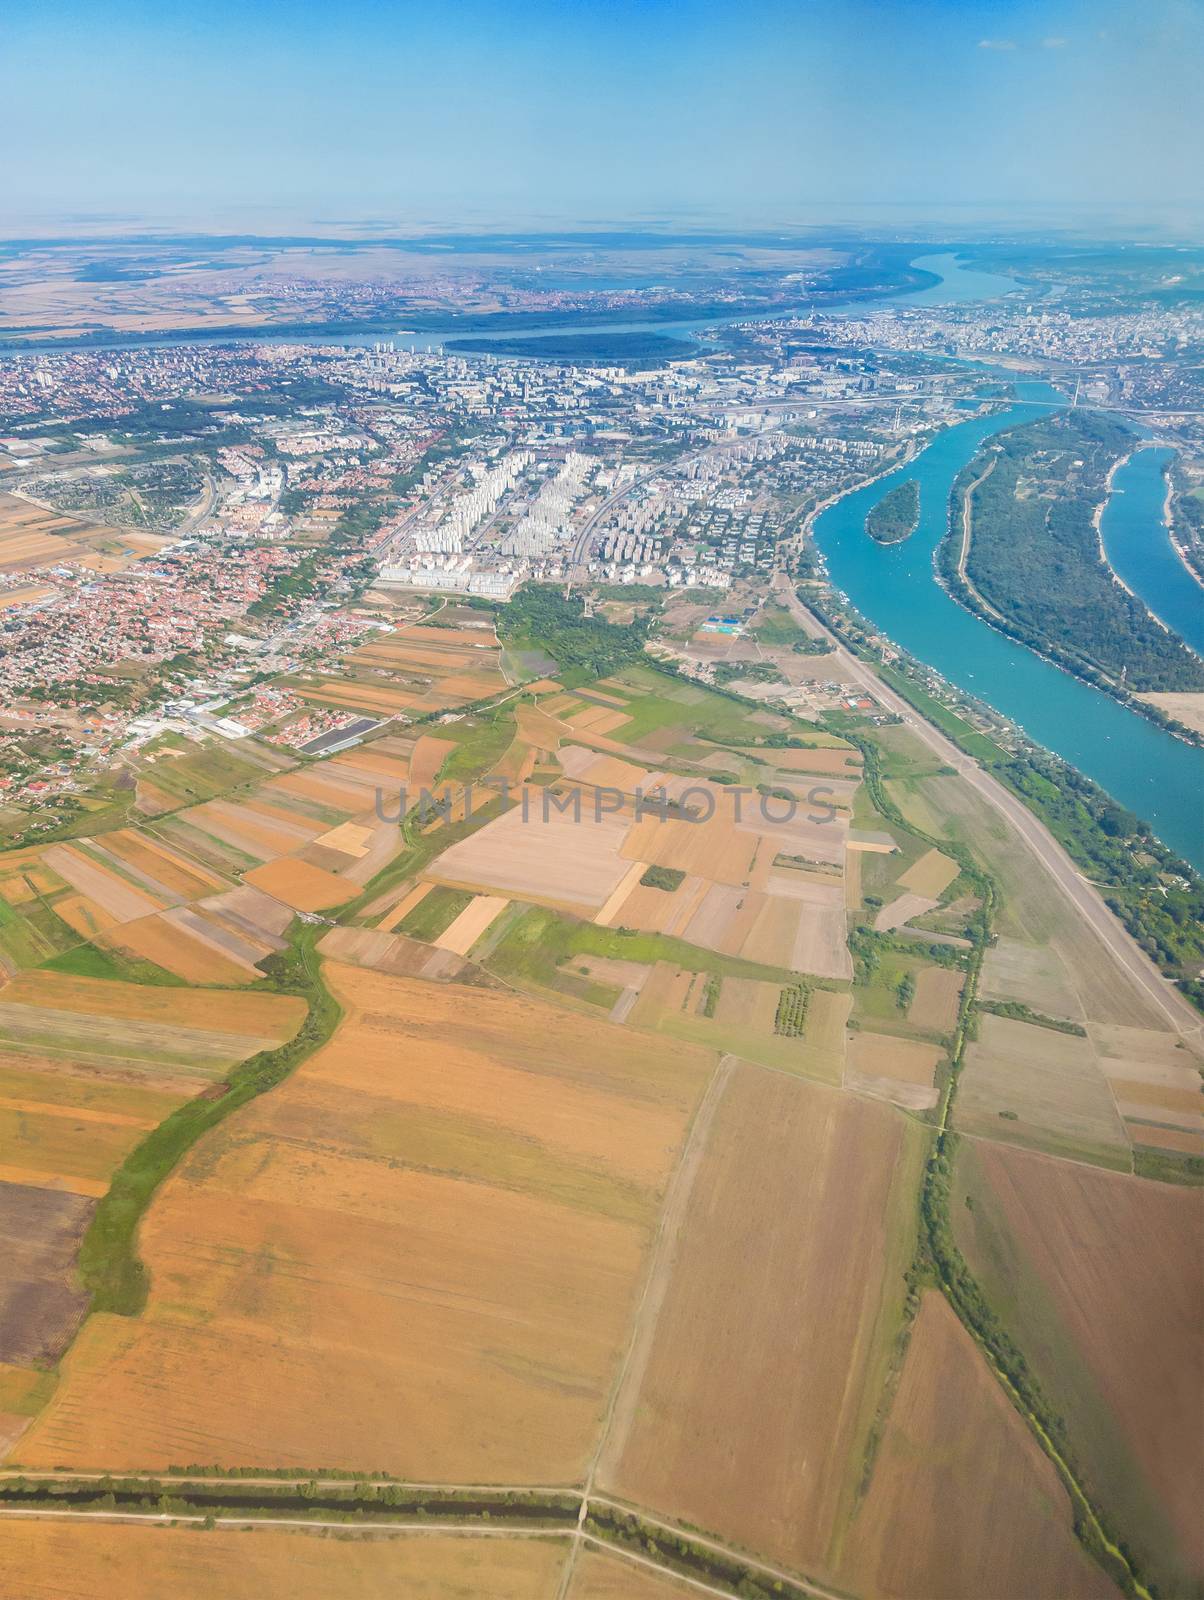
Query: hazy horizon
[[1005, 115]]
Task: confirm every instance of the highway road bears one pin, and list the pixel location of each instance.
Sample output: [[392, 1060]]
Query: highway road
[[1084, 897]]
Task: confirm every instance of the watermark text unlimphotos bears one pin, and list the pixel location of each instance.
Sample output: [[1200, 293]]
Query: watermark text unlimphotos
[[696, 803]]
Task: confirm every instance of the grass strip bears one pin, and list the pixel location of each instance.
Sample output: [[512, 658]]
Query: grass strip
[[109, 1265]]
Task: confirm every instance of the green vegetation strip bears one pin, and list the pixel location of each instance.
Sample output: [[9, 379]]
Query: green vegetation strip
[[108, 1260], [434, 913], [365, 1501], [1018, 1011], [539, 940]]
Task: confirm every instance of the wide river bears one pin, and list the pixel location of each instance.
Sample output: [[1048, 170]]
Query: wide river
[[1137, 543], [895, 587]]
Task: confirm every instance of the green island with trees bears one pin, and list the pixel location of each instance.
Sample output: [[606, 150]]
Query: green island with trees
[[896, 516]]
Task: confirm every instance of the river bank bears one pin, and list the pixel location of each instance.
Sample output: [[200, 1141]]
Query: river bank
[[1153, 774]]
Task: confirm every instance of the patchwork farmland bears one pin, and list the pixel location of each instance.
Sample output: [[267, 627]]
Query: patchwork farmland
[[607, 1177]]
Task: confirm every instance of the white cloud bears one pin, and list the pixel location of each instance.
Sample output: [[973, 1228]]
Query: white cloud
[[997, 44], [1054, 44]]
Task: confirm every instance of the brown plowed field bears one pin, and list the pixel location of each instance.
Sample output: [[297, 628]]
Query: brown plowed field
[[963, 1502], [1107, 1274], [786, 1288]]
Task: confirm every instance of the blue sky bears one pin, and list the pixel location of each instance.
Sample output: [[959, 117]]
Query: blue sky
[[600, 108]]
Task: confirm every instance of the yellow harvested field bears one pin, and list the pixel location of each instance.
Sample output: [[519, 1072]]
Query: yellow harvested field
[[608, 772], [248, 830], [74, 1086], [349, 837], [806, 934], [165, 865], [778, 1292], [434, 1231], [601, 719], [533, 852], [84, 915], [962, 1500], [300, 885], [122, 901], [114, 1561], [32, 537], [1163, 1138], [327, 785], [825, 1034], [830, 763], [930, 876], [901, 910], [1185, 707], [636, 905], [721, 918], [151, 800], [464, 931], [24, 596], [713, 849], [89, 1065], [602, 1576], [1032, 974], [747, 1003], [429, 755], [901, 1070], [1156, 1079], [275, 1015], [357, 697], [155, 939]]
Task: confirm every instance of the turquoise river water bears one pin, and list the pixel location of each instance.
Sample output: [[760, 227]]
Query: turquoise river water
[[1137, 543], [895, 587]]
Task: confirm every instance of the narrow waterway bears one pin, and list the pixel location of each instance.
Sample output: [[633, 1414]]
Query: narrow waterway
[[895, 587], [1138, 545]]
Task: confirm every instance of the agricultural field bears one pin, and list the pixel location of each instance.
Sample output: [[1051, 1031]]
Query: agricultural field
[[1100, 1278], [778, 1295], [598, 1576], [111, 1561], [1033, 1085], [611, 1167], [984, 1511], [518, 1153], [746, 886], [88, 1067], [414, 669], [1062, 949], [31, 536], [901, 1070]]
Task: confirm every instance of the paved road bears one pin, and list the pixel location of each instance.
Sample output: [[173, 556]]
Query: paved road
[[1086, 900]]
